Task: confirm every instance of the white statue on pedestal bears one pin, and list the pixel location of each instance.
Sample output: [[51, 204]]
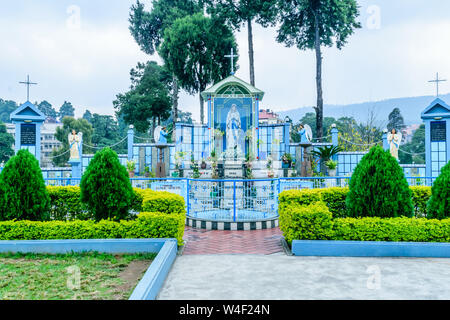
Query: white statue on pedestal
[[75, 141], [394, 140], [234, 129]]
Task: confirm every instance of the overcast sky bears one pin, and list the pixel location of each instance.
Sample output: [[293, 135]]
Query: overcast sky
[[86, 60]]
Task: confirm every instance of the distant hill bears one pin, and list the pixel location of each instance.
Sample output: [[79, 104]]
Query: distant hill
[[411, 108]]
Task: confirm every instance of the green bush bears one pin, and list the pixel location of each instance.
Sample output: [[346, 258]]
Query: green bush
[[147, 225], [166, 202], [312, 222], [439, 204], [335, 199], [420, 196], [392, 229], [65, 204], [106, 187], [378, 187], [23, 195]]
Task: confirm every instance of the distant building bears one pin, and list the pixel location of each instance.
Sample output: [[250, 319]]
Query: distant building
[[48, 140], [267, 116]]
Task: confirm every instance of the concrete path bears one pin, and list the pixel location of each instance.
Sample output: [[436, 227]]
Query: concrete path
[[278, 276]]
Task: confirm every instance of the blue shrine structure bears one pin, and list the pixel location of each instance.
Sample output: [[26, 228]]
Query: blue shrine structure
[[437, 136]]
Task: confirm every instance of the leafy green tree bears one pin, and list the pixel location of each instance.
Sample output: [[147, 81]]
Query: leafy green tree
[[237, 13], [311, 24], [106, 133], [6, 142], [6, 108], [415, 149], [61, 156], [395, 120], [148, 27], [438, 206], [194, 49], [66, 110], [47, 109], [148, 99], [23, 195], [106, 187], [378, 187], [87, 116]]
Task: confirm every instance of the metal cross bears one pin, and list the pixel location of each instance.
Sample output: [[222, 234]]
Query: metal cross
[[437, 83], [28, 83], [232, 56]]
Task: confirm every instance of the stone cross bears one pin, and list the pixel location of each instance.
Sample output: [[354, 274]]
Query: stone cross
[[232, 56], [437, 83], [28, 83]]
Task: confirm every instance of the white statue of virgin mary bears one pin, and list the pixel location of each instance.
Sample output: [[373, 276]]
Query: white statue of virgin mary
[[233, 129]]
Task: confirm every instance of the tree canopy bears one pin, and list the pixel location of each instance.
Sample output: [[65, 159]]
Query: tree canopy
[[237, 13], [149, 97], [311, 24], [194, 49], [6, 142], [66, 110]]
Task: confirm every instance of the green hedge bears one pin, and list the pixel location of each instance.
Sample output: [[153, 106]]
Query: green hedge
[[65, 203], [315, 222], [335, 199], [147, 225]]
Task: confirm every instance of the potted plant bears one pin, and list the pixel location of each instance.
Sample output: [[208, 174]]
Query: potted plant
[[270, 172], [213, 160], [131, 168], [287, 160], [331, 166], [203, 164]]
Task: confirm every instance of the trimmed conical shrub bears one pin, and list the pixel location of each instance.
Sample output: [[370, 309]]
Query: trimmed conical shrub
[[106, 187], [378, 187], [439, 204], [23, 195]]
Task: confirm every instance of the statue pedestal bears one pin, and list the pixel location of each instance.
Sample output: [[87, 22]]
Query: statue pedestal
[[76, 168], [160, 165], [306, 170]]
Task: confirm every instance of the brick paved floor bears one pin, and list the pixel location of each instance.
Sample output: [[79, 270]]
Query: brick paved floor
[[200, 241]]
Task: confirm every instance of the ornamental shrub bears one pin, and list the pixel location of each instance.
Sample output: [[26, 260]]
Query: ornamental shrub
[[65, 204], [439, 204], [378, 187], [162, 201], [147, 225], [23, 195], [106, 188], [311, 222]]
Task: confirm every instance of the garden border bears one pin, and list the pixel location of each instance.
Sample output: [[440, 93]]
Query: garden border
[[150, 284], [370, 249]]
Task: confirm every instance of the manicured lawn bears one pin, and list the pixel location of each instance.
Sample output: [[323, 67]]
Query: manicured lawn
[[55, 277]]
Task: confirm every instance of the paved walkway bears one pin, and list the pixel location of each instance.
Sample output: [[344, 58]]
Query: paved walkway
[[200, 241], [278, 276]]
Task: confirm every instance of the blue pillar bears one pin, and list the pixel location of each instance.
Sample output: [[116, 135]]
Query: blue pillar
[[287, 137], [257, 125], [334, 138], [385, 141], [130, 134], [77, 165]]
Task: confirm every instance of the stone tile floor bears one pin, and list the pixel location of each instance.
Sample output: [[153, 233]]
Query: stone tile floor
[[200, 241]]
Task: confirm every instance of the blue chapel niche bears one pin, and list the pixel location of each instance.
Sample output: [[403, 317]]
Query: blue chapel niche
[[28, 120], [221, 98], [436, 118]]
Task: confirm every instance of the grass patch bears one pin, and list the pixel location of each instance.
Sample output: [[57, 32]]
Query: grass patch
[[87, 276]]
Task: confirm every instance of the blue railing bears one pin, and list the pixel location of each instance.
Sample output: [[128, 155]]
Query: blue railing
[[234, 200]]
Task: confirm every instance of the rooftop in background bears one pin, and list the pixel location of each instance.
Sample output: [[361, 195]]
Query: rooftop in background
[[268, 116]]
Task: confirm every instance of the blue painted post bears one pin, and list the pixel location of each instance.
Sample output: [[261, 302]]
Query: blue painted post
[[234, 201], [385, 141], [77, 166], [334, 138], [188, 189], [130, 142], [257, 125]]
